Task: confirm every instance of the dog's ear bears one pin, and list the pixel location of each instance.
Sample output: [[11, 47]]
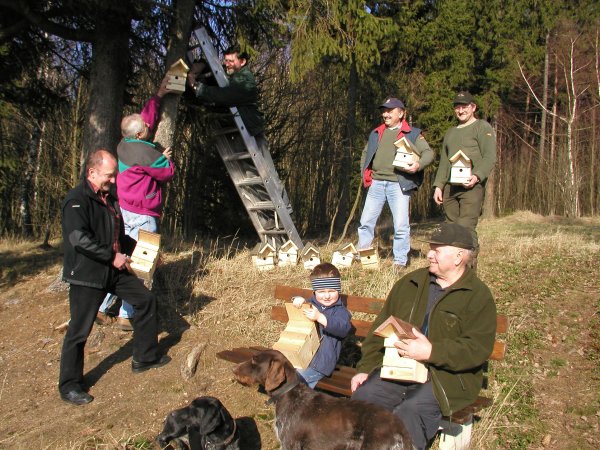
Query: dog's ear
[[206, 415], [275, 375]]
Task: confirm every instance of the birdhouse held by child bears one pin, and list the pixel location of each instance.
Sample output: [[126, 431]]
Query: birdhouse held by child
[[287, 254], [396, 367], [300, 340], [263, 256], [406, 153], [343, 255], [311, 257], [368, 258], [177, 76], [145, 256], [460, 172]]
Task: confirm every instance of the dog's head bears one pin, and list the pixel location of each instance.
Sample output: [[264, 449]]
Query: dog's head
[[269, 368], [202, 417]]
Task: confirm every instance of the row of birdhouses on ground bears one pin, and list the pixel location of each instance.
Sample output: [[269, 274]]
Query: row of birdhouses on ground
[[265, 256]]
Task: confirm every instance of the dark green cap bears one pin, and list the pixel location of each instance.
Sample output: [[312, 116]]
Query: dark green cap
[[452, 234], [463, 98]]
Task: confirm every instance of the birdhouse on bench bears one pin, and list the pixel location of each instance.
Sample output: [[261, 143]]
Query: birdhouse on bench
[[394, 366], [263, 256], [406, 153], [177, 76], [299, 341], [368, 258], [343, 255], [460, 171], [287, 254], [145, 256], [311, 257]]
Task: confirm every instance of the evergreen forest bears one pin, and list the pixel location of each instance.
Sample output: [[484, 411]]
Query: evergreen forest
[[70, 70]]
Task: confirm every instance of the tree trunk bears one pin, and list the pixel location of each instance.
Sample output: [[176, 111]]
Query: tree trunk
[[108, 76], [27, 182], [179, 37]]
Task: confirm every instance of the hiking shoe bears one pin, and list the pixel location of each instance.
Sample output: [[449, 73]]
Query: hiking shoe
[[124, 324], [104, 319]]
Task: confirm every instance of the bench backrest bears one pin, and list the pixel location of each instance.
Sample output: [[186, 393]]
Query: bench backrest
[[368, 305]]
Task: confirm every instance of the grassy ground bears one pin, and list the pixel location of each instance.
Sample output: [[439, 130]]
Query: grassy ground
[[542, 271]]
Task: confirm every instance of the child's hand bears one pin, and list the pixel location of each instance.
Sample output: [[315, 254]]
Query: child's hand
[[298, 301], [167, 153], [312, 313]]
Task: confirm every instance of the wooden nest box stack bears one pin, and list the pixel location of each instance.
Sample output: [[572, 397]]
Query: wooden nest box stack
[[145, 256], [394, 366], [406, 153], [177, 74], [460, 172], [343, 255], [368, 258], [300, 340], [287, 254]]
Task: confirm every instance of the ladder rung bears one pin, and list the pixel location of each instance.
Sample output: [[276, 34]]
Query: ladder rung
[[274, 232], [249, 181], [237, 156], [261, 205]]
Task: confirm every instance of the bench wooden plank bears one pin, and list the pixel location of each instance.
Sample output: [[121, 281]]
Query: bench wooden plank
[[352, 302], [360, 327]]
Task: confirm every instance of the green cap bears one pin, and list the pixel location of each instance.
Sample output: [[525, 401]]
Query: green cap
[[452, 234], [463, 98]]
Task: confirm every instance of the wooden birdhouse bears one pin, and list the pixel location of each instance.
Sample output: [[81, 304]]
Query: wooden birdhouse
[[406, 153], [287, 254], [311, 257], [343, 255], [396, 367], [460, 171], [177, 74], [368, 258], [145, 256], [263, 256], [300, 340]]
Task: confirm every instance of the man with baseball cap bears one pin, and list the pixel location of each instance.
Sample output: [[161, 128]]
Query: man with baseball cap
[[388, 183], [454, 320], [476, 139]]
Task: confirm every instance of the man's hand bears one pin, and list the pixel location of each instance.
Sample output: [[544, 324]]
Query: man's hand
[[418, 349], [472, 182], [357, 380], [438, 196], [121, 262], [413, 168], [194, 73], [168, 153]]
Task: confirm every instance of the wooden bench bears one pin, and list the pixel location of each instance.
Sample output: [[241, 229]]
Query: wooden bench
[[339, 381]]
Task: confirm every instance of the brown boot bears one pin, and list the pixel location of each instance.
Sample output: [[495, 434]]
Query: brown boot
[[104, 319], [124, 324]]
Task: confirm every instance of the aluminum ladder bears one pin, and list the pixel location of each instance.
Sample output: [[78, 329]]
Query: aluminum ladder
[[249, 164]]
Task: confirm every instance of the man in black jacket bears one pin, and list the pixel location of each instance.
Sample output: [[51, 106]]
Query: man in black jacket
[[95, 263]]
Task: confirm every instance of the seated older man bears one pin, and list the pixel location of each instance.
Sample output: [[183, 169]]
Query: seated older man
[[454, 319]]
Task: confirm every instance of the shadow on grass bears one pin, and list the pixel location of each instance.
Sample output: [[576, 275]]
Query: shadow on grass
[[18, 264]]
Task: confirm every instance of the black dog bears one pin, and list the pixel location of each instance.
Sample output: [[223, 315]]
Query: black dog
[[206, 422]]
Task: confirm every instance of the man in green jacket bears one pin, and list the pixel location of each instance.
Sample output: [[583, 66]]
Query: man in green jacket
[[476, 139], [454, 320], [242, 93]]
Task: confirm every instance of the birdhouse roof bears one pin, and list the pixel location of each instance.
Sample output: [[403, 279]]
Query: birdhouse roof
[[310, 249], [263, 248], [366, 251], [179, 66], [459, 155], [405, 145], [393, 325], [287, 246], [346, 248]]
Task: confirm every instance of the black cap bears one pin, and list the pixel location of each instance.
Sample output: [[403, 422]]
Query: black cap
[[463, 98], [452, 234], [392, 102]]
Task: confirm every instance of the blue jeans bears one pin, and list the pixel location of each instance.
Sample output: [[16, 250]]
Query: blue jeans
[[133, 224], [399, 202], [310, 376]]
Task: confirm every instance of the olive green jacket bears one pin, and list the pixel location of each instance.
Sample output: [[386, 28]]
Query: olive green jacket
[[242, 93], [462, 330]]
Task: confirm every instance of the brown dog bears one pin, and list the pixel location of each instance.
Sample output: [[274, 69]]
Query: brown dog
[[310, 420]]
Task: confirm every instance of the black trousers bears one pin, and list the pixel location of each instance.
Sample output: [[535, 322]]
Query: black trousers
[[414, 403], [84, 303]]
